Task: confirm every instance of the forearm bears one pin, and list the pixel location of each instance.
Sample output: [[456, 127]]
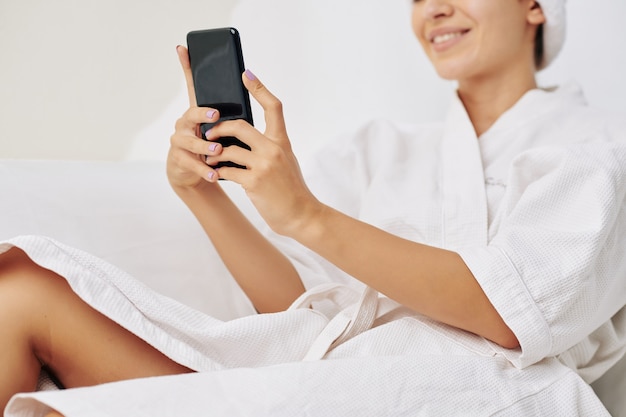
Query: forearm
[[266, 276], [432, 281]]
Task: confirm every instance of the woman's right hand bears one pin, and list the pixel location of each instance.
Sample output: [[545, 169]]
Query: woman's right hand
[[186, 166]]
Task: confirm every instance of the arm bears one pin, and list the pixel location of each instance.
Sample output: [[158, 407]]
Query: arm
[[429, 280], [432, 281], [266, 276]]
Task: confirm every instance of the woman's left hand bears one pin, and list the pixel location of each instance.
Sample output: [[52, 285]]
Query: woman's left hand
[[273, 180]]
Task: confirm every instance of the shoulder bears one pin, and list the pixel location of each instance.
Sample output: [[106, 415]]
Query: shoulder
[[575, 121], [573, 135], [385, 139], [351, 161], [395, 132]]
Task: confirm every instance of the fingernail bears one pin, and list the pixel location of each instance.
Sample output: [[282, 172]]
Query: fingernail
[[210, 114], [211, 175], [212, 147], [207, 133], [249, 75]]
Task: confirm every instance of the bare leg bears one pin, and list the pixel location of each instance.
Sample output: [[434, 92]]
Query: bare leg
[[43, 322]]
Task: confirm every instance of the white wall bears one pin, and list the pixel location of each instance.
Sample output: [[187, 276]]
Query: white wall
[[99, 79], [80, 78]]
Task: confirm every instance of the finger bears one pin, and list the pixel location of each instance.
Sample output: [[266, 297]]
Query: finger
[[183, 57], [236, 154], [194, 116], [195, 145], [188, 162], [236, 175], [240, 129], [272, 106]]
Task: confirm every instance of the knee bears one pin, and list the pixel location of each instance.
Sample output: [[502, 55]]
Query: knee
[[19, 275], [14, 279], [26, 297], [9, 258], [14, 263], [19, 279]]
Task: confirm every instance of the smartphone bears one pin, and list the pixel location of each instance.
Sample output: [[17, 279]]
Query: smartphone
[[216, 60]]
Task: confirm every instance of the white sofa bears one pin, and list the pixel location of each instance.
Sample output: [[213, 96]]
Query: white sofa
[[125, 213]]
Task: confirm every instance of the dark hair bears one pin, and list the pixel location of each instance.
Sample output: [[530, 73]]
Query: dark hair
[[539, 46]]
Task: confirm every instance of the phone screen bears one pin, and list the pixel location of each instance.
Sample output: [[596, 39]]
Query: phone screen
[[217, 64]]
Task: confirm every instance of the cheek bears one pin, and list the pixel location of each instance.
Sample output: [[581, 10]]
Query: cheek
[[417, 23], [499, 21], [503, 47]]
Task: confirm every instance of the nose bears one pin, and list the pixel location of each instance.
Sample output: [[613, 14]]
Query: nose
[[435, 9]]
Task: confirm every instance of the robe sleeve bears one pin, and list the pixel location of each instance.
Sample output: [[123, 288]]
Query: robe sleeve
[[556, 268]]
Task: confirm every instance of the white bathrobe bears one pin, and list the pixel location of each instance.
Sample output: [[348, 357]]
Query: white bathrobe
[[536, 208]]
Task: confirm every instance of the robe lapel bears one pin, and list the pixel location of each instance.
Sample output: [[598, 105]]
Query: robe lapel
[[464, 201]]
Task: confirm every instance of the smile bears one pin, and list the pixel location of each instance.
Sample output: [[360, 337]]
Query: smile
[[438, 39]]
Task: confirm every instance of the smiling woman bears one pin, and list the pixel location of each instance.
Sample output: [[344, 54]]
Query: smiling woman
[[435, 259], [465, 43]]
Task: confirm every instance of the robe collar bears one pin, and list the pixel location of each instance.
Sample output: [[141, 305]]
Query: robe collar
[[464, 201], [534, 104]]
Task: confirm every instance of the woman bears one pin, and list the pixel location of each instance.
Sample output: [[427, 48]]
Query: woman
[[497, 240]]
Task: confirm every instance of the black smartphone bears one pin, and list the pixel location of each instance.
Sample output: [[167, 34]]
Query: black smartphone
[[216, 60]]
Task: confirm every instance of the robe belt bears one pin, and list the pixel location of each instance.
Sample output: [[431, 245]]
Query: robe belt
[[353, 320]]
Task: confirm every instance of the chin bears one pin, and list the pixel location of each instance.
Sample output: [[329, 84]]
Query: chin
[[457, 69], [448, 76], [450, 72]]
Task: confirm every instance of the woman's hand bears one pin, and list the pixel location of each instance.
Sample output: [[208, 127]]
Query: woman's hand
[[186, 166], [267, 277], [272, 180]]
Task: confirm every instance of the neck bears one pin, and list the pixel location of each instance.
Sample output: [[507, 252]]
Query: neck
[[487, 98]]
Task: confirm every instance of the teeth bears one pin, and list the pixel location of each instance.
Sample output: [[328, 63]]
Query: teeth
[[446, 37]]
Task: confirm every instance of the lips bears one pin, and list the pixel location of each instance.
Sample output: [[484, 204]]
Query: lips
[[442, 36], [446, 37]]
